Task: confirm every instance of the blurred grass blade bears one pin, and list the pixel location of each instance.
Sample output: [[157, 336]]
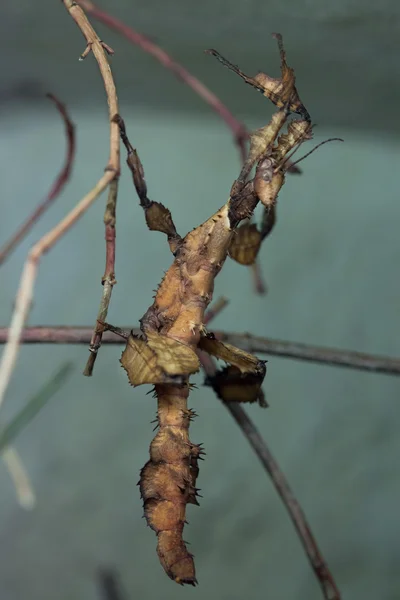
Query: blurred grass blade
[[35, 404]]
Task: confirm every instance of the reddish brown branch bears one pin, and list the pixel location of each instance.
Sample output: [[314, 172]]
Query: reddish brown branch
[[251, 343], [56, 188], [138, 39]]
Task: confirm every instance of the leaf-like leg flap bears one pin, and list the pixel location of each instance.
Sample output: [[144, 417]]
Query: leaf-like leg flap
[[243, 361], [158, 217], [231, 385], [245, 244], [158, 359]]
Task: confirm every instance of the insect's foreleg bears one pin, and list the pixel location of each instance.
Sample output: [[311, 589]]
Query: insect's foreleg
[[158, 217]]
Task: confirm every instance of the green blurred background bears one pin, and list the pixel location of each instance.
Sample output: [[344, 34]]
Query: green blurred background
[[331, 266]]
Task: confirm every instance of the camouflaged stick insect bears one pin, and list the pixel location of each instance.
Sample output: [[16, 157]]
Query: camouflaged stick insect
[[282, 91], [173, 331]]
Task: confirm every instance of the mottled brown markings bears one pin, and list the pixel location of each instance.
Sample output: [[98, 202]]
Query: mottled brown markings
[[173, 327]]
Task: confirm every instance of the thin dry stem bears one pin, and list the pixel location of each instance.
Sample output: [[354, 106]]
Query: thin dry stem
[[108, 280], [25, 292], [333, 357], [317, 561], [99, 48], [56, 188]]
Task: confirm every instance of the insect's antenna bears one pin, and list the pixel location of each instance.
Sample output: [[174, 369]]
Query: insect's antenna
[[287, 159], [298, 144], [311, 151]]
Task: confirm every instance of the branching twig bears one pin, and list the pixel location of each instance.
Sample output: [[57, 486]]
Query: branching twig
[[25, 292], [56, 188], [108, 280], [99, 48], [251, 343], [138, 39]]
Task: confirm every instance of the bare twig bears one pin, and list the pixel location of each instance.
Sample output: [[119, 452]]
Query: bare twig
[[99, 48], [108, 280], [25, 292], [317, 561], [251, 343], [238, 129], [56, 188]]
